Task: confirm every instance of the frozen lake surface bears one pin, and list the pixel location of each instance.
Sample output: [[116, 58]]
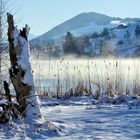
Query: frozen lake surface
[[84, 121]]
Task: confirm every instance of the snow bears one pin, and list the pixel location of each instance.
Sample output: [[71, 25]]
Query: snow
[[126, 35], [75, 118], [103, 122], [116, 32], [19, 130], [15, 33], [88, 121], [1, 109], [90, 28], [23, 58], [3, 101], [24, 61], [115, 22], [80, 118]]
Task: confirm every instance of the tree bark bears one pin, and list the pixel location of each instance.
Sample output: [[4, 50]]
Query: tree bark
[[7, 91], [20, 71]]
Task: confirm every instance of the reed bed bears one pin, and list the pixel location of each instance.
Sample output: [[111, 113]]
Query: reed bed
[[57, 78]]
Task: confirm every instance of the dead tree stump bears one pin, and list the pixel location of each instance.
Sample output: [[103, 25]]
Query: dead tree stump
[[20, 71]]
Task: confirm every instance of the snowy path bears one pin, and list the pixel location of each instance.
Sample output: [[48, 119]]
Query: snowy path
[[95, 123]]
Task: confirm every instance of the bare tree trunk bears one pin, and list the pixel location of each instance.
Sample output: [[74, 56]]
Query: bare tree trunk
[[21, 72], [7, 91]]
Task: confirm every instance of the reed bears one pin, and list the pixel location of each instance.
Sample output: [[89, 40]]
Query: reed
[[88, 77]]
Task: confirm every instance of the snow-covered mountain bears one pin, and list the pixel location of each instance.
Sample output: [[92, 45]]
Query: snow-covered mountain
[[82, 24], [121, 34]]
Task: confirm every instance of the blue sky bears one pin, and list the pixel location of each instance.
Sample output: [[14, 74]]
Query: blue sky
[[42, 15]]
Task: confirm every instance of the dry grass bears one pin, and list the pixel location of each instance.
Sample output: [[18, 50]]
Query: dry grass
[[56, 78]]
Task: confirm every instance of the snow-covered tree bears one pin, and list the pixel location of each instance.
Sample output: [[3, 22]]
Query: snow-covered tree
[[21, 72]]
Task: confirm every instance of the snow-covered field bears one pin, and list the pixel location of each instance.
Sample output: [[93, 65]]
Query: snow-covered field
[[80, 118], [84, 121]]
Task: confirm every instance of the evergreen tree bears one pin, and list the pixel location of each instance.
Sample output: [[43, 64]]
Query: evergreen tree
[[137, 31], [127, 35], [105, 34], [69, 44], [86, 42]]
